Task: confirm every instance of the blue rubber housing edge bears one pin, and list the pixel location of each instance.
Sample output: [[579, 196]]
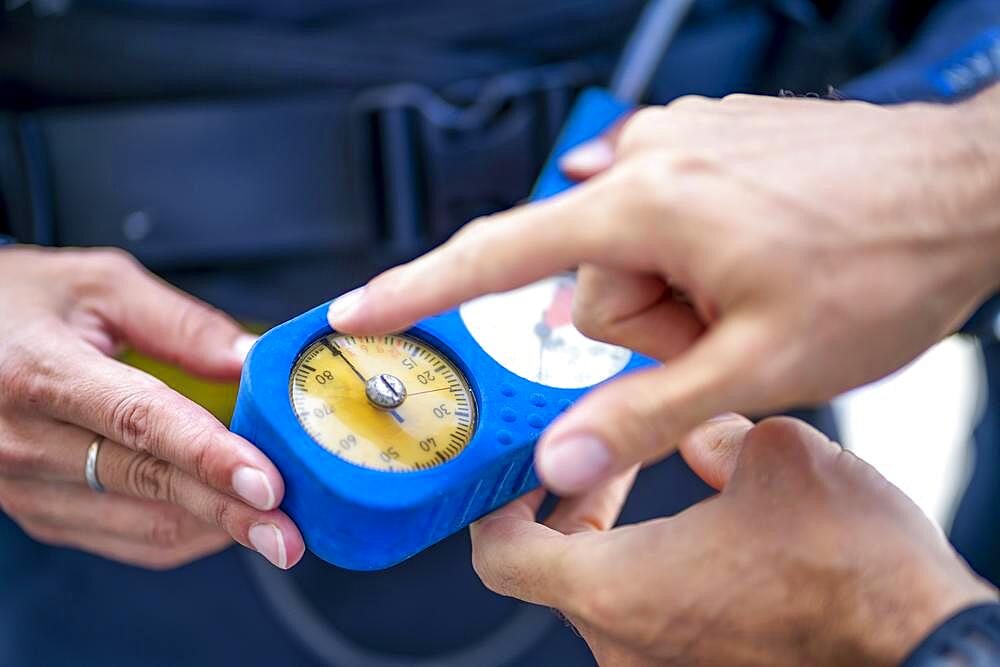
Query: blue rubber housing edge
[[595, 112], [364, 519]]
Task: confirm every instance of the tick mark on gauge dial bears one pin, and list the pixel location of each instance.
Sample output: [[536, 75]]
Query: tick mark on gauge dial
[[337, 352]]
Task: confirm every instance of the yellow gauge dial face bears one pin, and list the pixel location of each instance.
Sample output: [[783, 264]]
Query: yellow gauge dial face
[[390, 403]]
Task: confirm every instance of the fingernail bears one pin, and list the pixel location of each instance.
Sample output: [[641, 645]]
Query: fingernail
[[242, 345], [571, 465], [725, 417], [344, 305], [590, 157], [253, 486], [267, 539]]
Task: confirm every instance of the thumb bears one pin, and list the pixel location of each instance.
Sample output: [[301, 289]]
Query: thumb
[[729, 449], [159, 320], [712, 449], [642, 417]]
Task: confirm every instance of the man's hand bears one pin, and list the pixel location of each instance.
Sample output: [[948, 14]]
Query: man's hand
[[774, 252], [180, 485], [807, 557]]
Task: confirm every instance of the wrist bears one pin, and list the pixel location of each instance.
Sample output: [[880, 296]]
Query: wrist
[[975, 137], [971, 636], [885, 620]]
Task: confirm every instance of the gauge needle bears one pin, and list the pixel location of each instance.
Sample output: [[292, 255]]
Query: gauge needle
[[337, 352], [429, 391], [544, 333], [559, 313]]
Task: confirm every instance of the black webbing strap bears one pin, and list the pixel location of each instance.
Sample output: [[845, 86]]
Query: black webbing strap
[[376, 130], [388, 171], [89, 56]]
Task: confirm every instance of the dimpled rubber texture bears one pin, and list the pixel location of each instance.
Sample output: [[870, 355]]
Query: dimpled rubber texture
[[364, 519]]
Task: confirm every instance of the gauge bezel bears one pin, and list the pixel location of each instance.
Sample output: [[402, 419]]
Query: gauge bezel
[[406, 335]]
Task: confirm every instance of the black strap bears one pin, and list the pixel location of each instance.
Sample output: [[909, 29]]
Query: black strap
[[92, 56], [386, 173]]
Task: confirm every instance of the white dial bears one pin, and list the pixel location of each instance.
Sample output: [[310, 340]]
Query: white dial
[[530, 332]]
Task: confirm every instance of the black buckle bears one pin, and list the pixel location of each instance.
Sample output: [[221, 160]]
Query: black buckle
[[426, 163]]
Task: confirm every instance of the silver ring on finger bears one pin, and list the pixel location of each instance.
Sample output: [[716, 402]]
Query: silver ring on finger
[[90, 470]]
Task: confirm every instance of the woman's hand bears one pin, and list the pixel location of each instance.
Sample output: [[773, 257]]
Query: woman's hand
[[807, 557], [774, 252], [180, 485]]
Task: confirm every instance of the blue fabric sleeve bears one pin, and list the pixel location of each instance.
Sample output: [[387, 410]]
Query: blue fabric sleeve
[[956, 54], [970, 638]]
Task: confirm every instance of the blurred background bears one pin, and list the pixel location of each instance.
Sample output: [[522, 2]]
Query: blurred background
[[267, 155], [916, 425]]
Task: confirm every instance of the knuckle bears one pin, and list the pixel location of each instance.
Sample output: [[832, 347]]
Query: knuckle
[[732, 98], [691, 103], [588, 318], [166, 531], [132, 418], [586, 304], [774, 429], [19, 459], [604, 607], [469, 239], [653, 183], [202, 459], [498, 573], [41, 532], [197, 321], [27, 378], [14, 503], [204, 454], [223, 512], [781, 437], [113, 263], [104, 269], [471, 246], [482, 567], [149, 477], [688, 163], [639, 128]]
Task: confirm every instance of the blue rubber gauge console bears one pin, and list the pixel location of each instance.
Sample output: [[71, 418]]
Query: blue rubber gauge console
[[388, 444]]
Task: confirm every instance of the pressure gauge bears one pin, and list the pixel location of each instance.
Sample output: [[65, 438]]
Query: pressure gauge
[[388, 444], [390, 403]]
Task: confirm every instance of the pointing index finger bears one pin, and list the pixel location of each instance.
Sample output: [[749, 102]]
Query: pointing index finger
[[494, 254]]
